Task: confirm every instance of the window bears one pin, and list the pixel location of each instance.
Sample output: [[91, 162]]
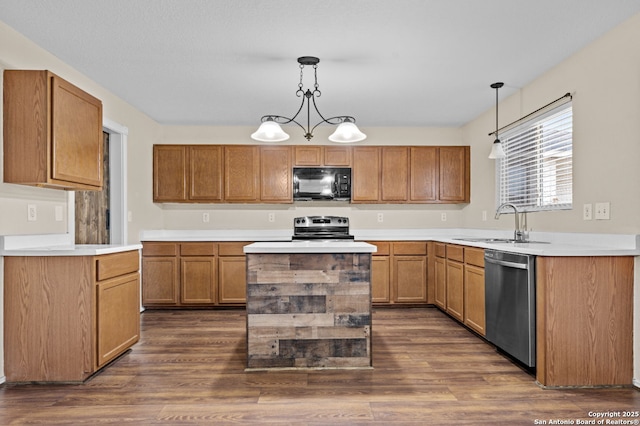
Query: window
[[537, 172]]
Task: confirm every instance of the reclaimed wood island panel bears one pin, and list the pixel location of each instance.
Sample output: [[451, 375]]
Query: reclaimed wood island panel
[[309, 304]]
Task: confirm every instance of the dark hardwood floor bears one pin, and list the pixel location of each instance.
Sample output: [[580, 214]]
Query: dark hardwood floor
[[188, 368]]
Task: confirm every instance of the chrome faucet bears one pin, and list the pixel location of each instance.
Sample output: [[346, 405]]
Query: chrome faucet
[[518, 233]]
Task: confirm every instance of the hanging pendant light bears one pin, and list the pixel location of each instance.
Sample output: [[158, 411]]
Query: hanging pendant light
[[496, 149], [270, 130]]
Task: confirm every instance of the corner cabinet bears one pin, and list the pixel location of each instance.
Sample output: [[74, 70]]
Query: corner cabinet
[[68, 316], [52, 132]]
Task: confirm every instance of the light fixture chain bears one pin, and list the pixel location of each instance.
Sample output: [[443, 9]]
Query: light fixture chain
[[316, 90]]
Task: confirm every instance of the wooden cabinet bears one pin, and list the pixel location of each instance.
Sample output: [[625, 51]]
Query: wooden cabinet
[[455, 281], [584, 305], [394, 174], [440, 275], [182, 274], [365, 175], [198, 277], [321, 156], [399, 272], [423, 174], [381, 273], [232, 278], [454, 167], [276, 176], [474, 307], [170, 167], [205, 173], [67, 316], [52, 132], [241, 173]]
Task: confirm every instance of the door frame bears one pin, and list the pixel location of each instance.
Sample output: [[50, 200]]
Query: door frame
[[118, 174]]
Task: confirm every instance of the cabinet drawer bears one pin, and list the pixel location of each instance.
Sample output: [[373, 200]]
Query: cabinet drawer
[[159, 249], [383, 248], [115, 264], [415, 248], [441, 250], [455, 252], [232, 249], [198, 249], [474, 256]]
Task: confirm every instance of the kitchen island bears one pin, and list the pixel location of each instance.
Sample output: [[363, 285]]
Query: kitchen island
[[309, 304]]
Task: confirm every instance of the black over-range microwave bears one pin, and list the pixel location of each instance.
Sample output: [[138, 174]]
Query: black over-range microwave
[[321, 183]]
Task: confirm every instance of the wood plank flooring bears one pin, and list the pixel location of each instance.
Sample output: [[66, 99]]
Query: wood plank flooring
[[189, 369]]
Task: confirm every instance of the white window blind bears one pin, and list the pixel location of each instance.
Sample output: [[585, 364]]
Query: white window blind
[[537, 172]]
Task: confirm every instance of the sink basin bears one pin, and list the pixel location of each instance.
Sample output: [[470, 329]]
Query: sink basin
[[500, 240]]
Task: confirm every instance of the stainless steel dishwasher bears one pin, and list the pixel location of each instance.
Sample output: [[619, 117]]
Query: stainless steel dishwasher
[[510, 302]]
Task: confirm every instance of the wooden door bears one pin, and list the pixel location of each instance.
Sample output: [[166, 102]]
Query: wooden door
[[423, 180], [170, 173], [76, 134], [380, 270], [205, 173], [474, 308], [232, 273], [242, 173], [365, 174], [454, 174], [92, 212], [118, 316], [455, 289], [440, 275], [410, 279], [160, 281], [337, 156], [276, 175], [307, 155], [198, 280], [394, 180]]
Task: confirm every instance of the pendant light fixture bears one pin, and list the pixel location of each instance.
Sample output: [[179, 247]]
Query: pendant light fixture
[[496, 149], [270, 130]]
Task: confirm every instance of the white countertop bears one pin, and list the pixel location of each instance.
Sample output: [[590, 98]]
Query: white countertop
[[331, 246], [555, 244], [56, 245]]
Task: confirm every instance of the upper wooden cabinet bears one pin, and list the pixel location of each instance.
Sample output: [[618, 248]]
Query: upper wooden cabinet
[[320, 156], [241, 173], [52, 132], [276, 178], [417, 174]]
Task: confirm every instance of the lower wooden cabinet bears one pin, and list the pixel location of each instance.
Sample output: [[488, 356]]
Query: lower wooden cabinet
[[455, 281], [474, 308], [440, 276], [67, 316], [399, 272], [184, 274]]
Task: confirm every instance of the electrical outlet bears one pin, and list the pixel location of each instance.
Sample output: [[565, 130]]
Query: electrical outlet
[[32, 213], [380, 217], [205, 217], [587, 211], [602, 211], [443, 217], [272, 217]]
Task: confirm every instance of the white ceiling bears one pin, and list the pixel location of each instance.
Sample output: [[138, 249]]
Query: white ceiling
[[386, 62]]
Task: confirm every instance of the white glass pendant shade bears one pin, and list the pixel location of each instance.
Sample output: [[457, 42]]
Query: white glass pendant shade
[[347, 132], [496, 150], [270, 131]]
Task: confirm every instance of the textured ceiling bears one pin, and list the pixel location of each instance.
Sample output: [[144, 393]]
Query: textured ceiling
[[388, 63]]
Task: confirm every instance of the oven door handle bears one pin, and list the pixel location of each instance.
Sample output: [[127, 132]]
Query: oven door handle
[[505, 263]]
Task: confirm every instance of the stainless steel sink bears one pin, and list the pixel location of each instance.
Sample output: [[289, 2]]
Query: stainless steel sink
[[500, 241]]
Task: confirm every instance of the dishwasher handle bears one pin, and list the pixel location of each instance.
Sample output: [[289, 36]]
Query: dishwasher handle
[[505, 263]]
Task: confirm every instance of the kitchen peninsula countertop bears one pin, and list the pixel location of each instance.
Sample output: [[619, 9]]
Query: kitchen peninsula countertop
[[549, 243], [56, 245]]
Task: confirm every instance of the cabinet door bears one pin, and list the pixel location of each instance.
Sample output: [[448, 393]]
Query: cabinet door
[[337, 156], [205, 173], [474, 310], [198, 280], [241, 172], [365, 174], [440, 274], [232, 280], [394, 180], [160, 281], [76, 134], [454, 174], [276, 175], [410, 279], [305, 156], [455, 289], [380, 269], [118, 316], [423, 181], [169, 173]]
